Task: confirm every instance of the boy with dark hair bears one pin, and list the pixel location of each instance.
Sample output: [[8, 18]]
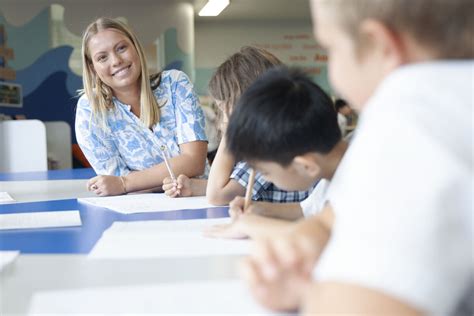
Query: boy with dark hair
[[285, 127], [401, 231], [283, 115]]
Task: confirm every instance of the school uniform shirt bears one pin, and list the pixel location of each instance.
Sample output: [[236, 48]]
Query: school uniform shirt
[[315, 202], [402, 195], [124, 144], [264, 190]]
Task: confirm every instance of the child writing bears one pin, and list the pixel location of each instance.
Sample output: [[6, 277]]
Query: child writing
[[228, 178], [124, 117], [313, 146], [401, 198]]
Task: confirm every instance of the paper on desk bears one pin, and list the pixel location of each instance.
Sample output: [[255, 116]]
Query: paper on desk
[[40, 220], [7, 257], [213, 297], [165, 226], [6, 198], [148, 202], [165, 239], [166, 245], [46, 190]]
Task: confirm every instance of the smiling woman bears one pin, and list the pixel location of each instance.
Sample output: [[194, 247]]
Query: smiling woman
[[124, 115]]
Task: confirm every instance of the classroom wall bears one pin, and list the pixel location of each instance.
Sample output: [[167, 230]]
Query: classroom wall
[[291, 41], [46, 40]]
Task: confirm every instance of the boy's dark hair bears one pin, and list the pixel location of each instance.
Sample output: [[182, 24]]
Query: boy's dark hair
[[283, 114], [339, 104]]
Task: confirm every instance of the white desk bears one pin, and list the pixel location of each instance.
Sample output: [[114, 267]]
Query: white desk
[[33, 273], [56, 259], [45, 190]]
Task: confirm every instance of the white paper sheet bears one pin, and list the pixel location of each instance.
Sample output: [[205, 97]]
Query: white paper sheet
[[166, 245], [155, 239], [46, 190], [222, 297], [7, 257], [6, 198], [40, 220], [165, 226], [149, 202]]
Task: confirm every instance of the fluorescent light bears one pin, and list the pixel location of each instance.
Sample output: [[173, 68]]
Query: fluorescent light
[[213, 7]]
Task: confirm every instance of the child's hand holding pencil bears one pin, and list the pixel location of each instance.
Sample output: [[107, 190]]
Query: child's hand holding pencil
[[170, 184], [179, 187], [240, 205]]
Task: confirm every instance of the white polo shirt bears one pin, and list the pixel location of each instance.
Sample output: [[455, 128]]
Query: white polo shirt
[[315, 202], [402, 195]]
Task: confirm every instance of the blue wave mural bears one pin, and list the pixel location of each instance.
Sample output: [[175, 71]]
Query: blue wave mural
[[54, 60], [28, 41], [51, 101]]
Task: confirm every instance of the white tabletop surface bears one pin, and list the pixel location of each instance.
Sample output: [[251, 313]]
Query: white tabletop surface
[[31, 274], [45, 190]]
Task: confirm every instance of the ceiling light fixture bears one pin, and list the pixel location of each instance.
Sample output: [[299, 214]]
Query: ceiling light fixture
[[214, 7]]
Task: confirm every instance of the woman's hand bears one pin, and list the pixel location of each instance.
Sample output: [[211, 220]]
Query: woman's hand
[[107, 185]]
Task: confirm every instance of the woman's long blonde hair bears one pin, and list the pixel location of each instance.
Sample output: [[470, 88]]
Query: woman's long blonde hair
[[99, 94]]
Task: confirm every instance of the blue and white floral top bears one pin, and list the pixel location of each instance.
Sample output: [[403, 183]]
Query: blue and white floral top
[[124, 144]]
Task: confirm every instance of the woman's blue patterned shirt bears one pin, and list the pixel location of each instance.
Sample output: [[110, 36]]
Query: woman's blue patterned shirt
[[124, 144]]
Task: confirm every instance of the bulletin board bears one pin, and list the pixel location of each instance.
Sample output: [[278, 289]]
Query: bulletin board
[[10, 95]]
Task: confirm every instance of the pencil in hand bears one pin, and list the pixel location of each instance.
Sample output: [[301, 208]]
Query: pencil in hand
[[164, 151], [248, 193]]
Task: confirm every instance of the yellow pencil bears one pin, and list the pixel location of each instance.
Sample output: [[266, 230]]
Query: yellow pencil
[[248, 193]]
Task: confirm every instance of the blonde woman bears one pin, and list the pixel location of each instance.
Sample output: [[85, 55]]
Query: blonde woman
[[125, 117]]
